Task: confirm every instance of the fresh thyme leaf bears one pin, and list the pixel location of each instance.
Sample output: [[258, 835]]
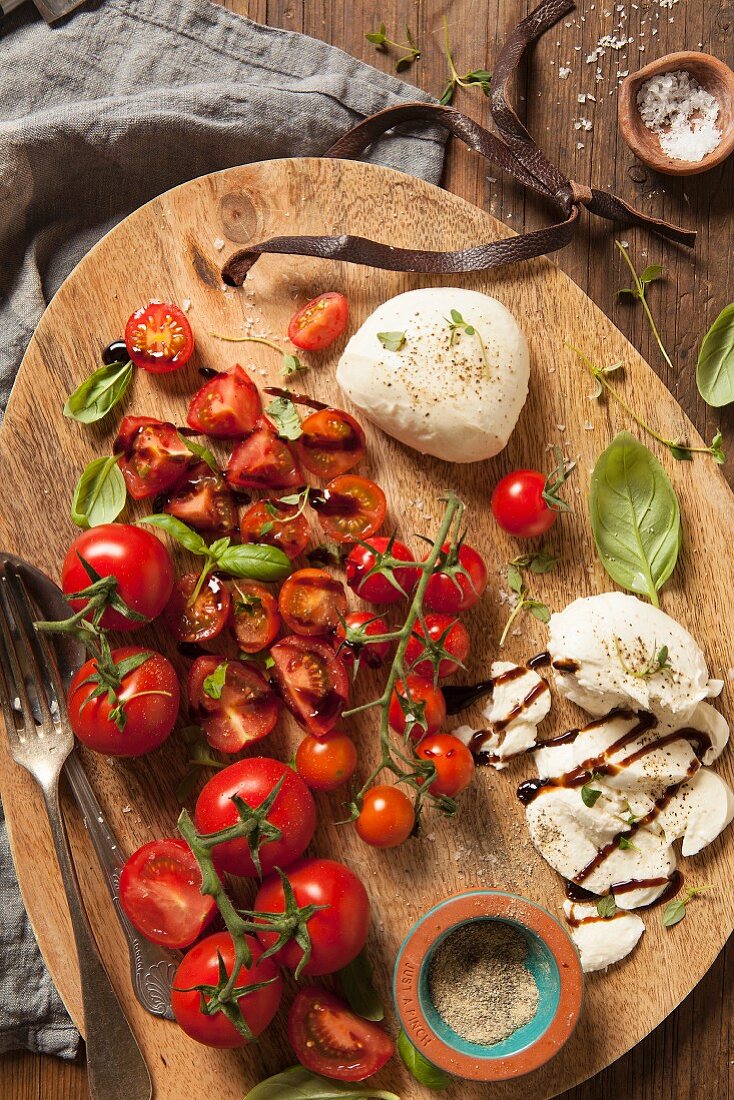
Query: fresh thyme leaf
[[474, 78], [556, 479], [292, 365], [409, 51], [637, 290], [606, 907], [285, 417], [514, 579], [458, 325], [524, 601], [391, 341], [447, 95], [658, 662], [651, 273], [717, 450], [590, 795], [378, 38], [541, 562], [675, 910], [626, 845], [214, 683], [540, 610]]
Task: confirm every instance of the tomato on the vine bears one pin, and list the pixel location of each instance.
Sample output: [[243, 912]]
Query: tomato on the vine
[[458, 582], [200, 967], [448, 643], [453, 761], [350, 508], [320, 322], [354, 653], [232, 701], [328, 762], [227, 406], [158, 338], [312, 680], [331, 442], [197, 620], [364, 575], [138, 561], [263, 461], [204, 501], [331, 1040], [417, 707], [135, 716], [292, 814], [387, 817], [312, 602], [519, 507], [154, 457], [255, 616], [160, 891], [285, 529]]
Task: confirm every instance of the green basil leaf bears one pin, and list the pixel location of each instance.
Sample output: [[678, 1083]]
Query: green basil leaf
[[675, 911], [285, 417], [391, 341], [214, 682], [423, 1070], [100, 493], [298, 1083], [359, 989], [256, 561], [99, 393], [590, 795], [635, 517], [201, 452], [715, 367], [189, 539], [292, 365]]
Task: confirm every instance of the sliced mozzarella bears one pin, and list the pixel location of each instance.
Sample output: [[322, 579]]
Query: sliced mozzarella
[[566, 832], [709, 720], [602, 942], [701, 809], [517, 708], [651, 858]]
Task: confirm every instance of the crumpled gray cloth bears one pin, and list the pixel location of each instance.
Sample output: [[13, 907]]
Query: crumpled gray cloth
[[98, 114]]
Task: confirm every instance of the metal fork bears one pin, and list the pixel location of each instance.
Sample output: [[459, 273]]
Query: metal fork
[[40, 743]]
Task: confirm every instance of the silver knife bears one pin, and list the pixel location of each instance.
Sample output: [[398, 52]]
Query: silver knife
[[51, 10]]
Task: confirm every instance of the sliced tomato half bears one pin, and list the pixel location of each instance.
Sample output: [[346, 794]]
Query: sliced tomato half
[[227, 406], [289, 532], [332, 443], [320, 322], [350, 508], [160, 891], [154, 457], [197, 620], [330, 1039], [313, 682], [233, 711], [263, 461], [204, 501], [158, 338], [255, 617], [311, 601]]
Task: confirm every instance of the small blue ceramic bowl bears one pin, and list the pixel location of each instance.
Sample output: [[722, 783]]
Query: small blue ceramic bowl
[[552, 960]]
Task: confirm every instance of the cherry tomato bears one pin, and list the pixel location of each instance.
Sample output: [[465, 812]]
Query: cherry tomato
[[312, 680], [387, 817], [331, 1040], [371, 653], [328, 762], [255, 617], [158, 338], [417, 707], [519, 507], [200, 966], [460, 580], [445, 633], [263, 461], [350, 508], [337, 932], [320, 322], [154, 457], [137, 559], [204, 501], [289, 532], [227, 406], [160, 891], [205, 617], [453, 761], [235, 711], [311, 602], [292, 813], [332, 443], [375, 587], [147, 704]]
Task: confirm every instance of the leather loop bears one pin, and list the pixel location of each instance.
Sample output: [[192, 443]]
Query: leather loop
[[511, 148]]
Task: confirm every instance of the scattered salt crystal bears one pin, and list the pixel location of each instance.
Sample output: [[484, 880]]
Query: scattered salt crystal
[[580, 145], [218, 244], [583, 124], [127, 809], [564, 73], [186, 305], [682, 113]]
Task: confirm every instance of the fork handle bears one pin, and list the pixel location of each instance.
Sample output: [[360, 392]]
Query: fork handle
[[115, 1066]]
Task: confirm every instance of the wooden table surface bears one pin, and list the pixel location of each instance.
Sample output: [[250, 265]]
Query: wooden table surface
[[690, 1052]]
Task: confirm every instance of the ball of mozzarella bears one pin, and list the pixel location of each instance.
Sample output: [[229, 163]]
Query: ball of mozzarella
[[444, 392]]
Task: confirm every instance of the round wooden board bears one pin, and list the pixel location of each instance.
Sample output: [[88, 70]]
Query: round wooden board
[[172, 249]]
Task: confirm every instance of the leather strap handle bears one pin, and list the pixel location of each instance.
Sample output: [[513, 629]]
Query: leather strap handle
[[512, 149]]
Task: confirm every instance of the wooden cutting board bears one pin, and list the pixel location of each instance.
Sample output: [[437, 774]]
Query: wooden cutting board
[[173, 249]]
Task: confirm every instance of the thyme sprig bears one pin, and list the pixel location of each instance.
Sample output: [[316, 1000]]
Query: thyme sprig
[[409, 52], [475, 78], [658, 662], [524, 602], [291, 363], [457, 325], [639, 284]]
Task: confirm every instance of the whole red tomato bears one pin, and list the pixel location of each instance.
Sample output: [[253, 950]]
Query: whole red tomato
[[519, 506], [387, 817], [452, 760], [135, 557], [364, 575], [200, 967], [141, 716], [417, 707], [458, 582], [372, 654], [448, 644], [328, 762]]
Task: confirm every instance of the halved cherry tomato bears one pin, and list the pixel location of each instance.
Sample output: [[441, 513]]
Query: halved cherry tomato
[[289, 532], [292, 815], [205, 617], [417, 707], [255, 617], [363, 571], [519, 507], [320, 322], [154, 457], [350, 508], [447, 635], [387, 817], [453, 761], [371, 653], [226, 406], [311, 602], [160, 891], [200, 966], [330, 1039], [332, 443], [312, 680], [158, 338], [204, 501], [263, 461], [458, 583], [233, 711], [328, 762]]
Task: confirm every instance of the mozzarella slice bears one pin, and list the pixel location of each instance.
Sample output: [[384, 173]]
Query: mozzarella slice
[[602, 942], [702, 809], [519, 704]]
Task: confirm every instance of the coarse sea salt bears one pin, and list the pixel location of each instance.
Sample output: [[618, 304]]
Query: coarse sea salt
[[682, 114]]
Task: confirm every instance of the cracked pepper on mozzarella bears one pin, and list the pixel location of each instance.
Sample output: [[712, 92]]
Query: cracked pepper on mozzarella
[[436, 393]]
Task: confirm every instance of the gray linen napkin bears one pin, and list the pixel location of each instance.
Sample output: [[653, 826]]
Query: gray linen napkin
[[98, 114]]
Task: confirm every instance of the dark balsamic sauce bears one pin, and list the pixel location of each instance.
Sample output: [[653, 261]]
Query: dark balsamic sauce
[[460, 696], [209, 372], [116, 352], [674, 884], [565, 664], [296, 398], [574, 892], [540, 660], [328, 503]]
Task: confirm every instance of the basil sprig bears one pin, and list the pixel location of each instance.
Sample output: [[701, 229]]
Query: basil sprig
[[99, 393], [715, 367], [423, 1070], [298, 1083], [252, 560], [100, 493], [635, 517]]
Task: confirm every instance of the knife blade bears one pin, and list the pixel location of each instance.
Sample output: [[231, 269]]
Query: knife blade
[[51, 10]]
